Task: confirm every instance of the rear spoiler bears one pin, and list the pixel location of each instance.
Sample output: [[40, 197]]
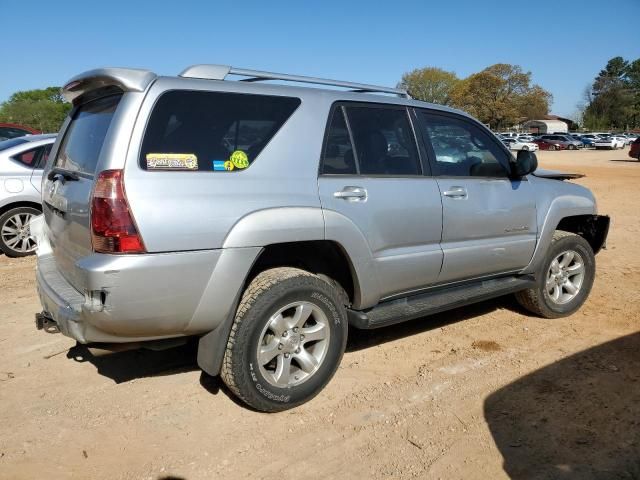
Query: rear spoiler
[[125, 79]]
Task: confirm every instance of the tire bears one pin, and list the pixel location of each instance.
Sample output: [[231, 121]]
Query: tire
[[525, 148], [572, 147], [265, 384], [15, 236], [551, 147], [539, 300]]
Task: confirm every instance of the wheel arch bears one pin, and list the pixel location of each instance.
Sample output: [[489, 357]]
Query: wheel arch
[[21, 203]]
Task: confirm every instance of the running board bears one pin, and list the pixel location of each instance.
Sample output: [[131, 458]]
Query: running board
[[437, 300]]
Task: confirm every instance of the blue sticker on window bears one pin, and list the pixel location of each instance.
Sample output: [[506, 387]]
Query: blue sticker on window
[[218, 165]]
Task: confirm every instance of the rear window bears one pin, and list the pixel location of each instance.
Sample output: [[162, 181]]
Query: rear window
[[211, 131], [11, 143], [82, 143]]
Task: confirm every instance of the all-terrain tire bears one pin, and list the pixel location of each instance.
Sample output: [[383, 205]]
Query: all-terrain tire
[[537, 300], [268, 293]]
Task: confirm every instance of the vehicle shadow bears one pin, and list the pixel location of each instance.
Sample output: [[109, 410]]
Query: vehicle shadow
[[576, 418], [126, 366], [132, 364], [625, 160]]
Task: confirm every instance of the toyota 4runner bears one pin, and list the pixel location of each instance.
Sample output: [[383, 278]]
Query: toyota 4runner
[[266, 218]]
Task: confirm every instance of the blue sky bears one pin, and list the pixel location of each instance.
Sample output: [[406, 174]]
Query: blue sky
[[563, 43]]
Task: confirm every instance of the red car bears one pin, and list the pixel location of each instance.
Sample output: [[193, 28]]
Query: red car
[[634, 152], [549, 144], [13, 130]]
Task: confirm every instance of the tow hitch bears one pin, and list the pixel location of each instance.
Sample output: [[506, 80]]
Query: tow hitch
[[46, 323]]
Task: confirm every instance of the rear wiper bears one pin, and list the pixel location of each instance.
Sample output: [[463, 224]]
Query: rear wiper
[[66, 174]]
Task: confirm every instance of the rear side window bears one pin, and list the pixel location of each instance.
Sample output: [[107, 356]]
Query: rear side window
[[338, 152], [82, 143], [34, 158], [191, 130], [28, 158]]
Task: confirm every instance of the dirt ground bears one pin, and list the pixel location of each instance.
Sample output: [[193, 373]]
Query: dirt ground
[[482, 392]]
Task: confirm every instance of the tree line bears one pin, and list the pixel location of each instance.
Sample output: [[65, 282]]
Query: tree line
[[44, 109], [612, 102], [500, 96]]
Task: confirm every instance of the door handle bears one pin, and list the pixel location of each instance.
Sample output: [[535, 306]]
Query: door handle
[[455, 192], [351, 193]]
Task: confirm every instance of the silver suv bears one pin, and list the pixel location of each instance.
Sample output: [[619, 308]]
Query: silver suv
[[267, 218]]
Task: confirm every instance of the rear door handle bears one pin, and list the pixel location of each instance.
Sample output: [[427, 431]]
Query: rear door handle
[[351, 193], [455, 192]]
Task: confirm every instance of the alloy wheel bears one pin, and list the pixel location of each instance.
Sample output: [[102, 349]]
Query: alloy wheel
[[293, 344], [565, 276], [16, 233]]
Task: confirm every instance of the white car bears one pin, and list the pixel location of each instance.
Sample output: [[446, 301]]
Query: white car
[[609, 142], [21, 162], [518, 144]]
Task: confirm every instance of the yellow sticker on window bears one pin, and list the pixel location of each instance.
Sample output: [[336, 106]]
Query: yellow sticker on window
[[240, 159], [172, 161], [228, 165]]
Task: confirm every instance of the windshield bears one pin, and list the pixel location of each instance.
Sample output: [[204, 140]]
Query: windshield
[[11, 143]]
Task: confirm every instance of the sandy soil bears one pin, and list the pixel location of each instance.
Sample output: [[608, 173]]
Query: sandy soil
[[483, 392]]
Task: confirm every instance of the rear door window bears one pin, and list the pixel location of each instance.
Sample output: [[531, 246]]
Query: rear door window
[[82, 143], [211, 131], [384, 140]]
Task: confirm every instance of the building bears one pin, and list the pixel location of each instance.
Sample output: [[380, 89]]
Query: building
[[545, 126]]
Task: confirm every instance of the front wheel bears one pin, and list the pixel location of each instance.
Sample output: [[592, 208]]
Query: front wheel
[[15, 234], [565, 279], [287, 340]]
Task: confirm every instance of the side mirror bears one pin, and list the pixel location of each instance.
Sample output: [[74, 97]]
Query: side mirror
[[526, 163]]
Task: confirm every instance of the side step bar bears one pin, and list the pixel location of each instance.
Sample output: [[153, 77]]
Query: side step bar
[[437, 300]]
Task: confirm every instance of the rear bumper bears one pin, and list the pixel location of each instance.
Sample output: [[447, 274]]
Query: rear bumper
[[127, 298]]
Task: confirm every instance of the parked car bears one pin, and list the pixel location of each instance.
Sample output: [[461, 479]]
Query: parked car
[[526, 138], [609, 142], [634, 151], [549, 144], [518, 144], [13, 130], [569, 143], [21, 162], [153, 228]]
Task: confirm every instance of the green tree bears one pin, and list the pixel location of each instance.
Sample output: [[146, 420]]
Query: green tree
[[501, 95], [43, 109], [615, 93], [430, 84]]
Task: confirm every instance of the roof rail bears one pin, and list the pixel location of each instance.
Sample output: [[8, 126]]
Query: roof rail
[[220, 72]]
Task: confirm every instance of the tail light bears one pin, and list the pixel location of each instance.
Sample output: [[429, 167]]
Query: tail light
[[113, 229]]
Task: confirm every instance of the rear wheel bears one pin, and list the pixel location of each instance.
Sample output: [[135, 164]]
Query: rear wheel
[[15, 234], [287, 339], [565, 279], [552, 147]]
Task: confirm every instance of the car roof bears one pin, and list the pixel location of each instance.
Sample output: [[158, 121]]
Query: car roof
[[214, 78]]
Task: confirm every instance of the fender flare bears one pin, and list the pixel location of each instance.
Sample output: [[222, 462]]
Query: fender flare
[[561, 207]]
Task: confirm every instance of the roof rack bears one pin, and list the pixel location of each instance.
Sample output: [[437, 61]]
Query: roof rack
[[220, 72]]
